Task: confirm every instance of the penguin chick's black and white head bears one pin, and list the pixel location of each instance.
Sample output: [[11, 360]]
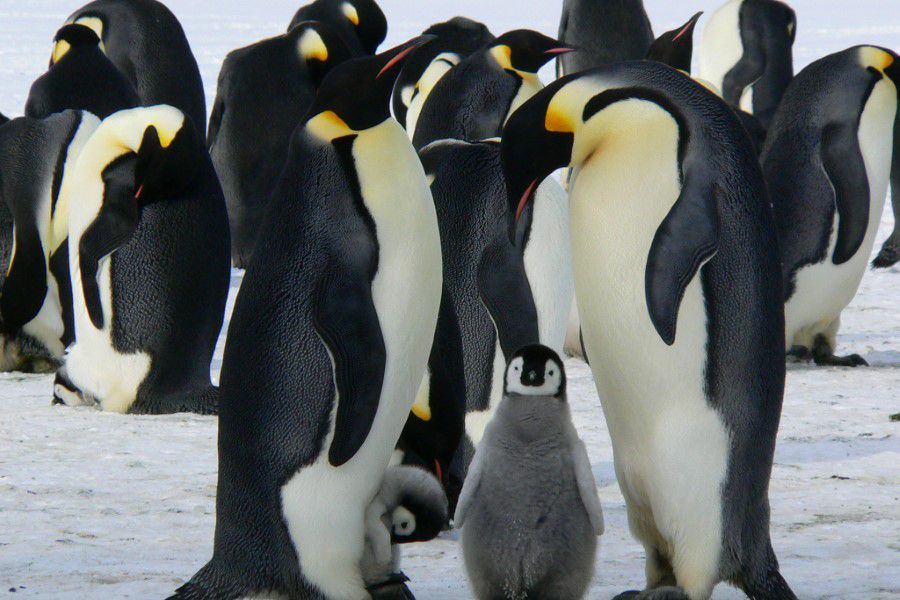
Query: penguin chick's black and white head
[[354, 95], [320, 48], [420, 512], [535, 371], [676, 48], [73, 36], [526, 51]]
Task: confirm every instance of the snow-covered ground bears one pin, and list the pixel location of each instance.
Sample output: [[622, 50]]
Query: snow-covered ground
[[95, 505]]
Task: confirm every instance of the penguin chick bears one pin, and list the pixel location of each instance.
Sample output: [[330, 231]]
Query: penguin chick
[[529, 509], [410, 507]]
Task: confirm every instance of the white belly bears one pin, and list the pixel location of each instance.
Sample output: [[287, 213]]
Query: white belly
[[47, 326], [324, 506], [530, 86], [824, 289], [548, 263], [476, 422], [720, 46], [670, 448]]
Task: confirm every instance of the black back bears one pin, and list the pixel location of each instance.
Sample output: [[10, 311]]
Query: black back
[[83, 79], [145, 41], [34, 153], [459, 35], [264, 91], [768, 29], [361, 38], [604, 32], [813, 163], [468, 103], [484, 273]]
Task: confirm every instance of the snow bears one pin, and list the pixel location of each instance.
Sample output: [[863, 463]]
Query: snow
[[96, 505]]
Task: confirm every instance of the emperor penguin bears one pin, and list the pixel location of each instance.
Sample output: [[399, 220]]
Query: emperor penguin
[[360, 23], [326, 348], [746, 51], [676, 47], [145, 41], [475, 98], [603, 32], [263, 92], [827, 161], [529, 511], [676, 275], [35, 298], [148, 258], [890, 251], [484, 273], [80, 77], [455, 40]]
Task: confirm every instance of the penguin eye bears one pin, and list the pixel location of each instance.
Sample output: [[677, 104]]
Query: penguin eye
[[551, 373], [516, 369]]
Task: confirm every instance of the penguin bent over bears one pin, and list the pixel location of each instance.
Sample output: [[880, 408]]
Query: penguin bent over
[[148, 258], [529, 510], [360, 23], [676, 276], [827, 163], [326, 348], [264, 91], [36, 319], [145, 41], [80, 77]]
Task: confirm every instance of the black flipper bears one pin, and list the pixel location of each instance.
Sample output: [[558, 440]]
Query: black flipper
[[25, 287], [686, 239], [843, 162], [59, 268], [111, 230], [746, 72], [345, 318], [506, 293]]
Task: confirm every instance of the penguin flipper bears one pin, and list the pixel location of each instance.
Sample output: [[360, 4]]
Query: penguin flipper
[[345, 318], [505, 291], [843, 162], [25, 287], [686, 239], [587, 485], [745, 73], [112, 228]]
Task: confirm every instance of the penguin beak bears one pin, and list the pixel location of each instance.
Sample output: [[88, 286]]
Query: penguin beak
[[525, 199], [397, 55], [560, 50], [688, 27]]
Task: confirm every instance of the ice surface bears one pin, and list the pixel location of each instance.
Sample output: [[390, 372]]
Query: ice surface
[[102, 506]]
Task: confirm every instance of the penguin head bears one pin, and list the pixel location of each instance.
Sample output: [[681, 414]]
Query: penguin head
[[73, 36], [676, 48], [535, 371], [368, 20], [320, 48], [420, 511], [158, 154], [536, 141], [355, 95], [526, 51]]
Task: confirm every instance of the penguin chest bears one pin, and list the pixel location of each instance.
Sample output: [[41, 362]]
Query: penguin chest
[[528, 87], [548, 260], [665, 434], [824, 289], [721, 47], [407, 286]]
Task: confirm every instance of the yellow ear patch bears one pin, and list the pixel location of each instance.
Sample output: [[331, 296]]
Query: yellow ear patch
[[328, 126], [350, 12], [312, 46], [95, 24], [503, 55], [60, 49], [875, 57], [557, 120]]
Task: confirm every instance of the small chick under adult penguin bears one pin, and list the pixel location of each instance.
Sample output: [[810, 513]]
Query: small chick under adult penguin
[[529, 510]]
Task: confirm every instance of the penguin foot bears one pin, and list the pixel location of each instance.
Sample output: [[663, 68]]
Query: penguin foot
[[799, 354], [888, 257], [661, 593], [392, 589], [823, 355]]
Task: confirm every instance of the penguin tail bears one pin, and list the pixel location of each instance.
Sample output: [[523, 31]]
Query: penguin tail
[[767, 583]]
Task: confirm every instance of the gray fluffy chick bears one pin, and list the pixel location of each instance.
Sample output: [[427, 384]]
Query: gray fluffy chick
[[529, 509]]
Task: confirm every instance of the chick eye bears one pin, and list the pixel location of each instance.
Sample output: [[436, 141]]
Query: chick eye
[[515, 368], [552, 372]]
